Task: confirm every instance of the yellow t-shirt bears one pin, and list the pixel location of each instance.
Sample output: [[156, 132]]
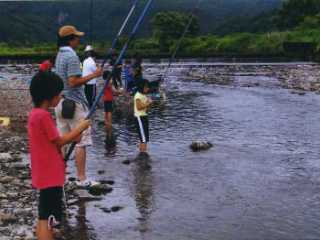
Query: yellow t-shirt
[[144, 99]]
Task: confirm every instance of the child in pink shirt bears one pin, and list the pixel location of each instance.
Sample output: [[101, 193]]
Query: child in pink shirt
[[47, 163]]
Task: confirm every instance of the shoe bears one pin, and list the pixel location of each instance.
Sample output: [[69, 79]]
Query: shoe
[[86, 183]]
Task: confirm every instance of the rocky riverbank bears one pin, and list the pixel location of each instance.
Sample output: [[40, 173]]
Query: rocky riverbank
[[304, 77], [18, 200]]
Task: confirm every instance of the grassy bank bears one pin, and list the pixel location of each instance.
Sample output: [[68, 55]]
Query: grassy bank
[[238, 44]]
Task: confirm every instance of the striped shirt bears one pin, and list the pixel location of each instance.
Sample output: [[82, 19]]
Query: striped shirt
[[68, 65]]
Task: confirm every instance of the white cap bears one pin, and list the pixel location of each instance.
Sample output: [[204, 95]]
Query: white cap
[[88, 48]]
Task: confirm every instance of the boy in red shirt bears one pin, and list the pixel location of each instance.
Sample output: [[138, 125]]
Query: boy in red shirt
[[47, 163]]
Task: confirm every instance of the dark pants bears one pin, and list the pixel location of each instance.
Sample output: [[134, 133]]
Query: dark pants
[[117, 80], [91, 93]]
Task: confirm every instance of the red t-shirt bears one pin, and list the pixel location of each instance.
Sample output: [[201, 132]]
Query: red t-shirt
[[47, 164], [108, 94], [45, 66]]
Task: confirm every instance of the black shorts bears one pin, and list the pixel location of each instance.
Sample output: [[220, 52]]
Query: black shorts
[[142, 124], [108, 106], [50, 205]]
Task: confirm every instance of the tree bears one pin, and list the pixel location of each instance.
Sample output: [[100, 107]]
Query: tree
[[168, 26], [294, 12]]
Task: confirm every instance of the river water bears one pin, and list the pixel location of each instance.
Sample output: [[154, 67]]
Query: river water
[[260, 181]]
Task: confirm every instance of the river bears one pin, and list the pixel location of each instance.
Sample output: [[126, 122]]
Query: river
[[259, 181]]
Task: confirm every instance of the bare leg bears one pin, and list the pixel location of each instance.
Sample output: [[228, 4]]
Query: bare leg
[[81, 163], [43, 232], [108, 123], [143, 147]]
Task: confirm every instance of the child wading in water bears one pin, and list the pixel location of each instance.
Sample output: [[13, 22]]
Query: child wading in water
[[141, 106], [108, 107], [47, 164]]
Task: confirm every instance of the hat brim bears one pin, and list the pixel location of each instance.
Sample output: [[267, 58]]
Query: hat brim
[[79, 34]]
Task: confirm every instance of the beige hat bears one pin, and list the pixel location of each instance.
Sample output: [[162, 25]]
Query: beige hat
[[69, 30]]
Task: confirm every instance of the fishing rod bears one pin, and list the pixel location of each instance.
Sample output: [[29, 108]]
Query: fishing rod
[[178, 45], [119, 59], [116, 39]]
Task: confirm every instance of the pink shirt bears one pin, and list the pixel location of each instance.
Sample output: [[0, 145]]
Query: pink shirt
[[47, 164]]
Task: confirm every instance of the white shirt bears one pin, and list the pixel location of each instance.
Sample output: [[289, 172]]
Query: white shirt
[[89, 67]]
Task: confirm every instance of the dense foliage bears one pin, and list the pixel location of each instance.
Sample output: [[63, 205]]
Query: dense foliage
[[262, 33]]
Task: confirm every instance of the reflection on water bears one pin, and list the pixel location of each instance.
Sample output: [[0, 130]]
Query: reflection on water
[[143, 194], [78, 227]]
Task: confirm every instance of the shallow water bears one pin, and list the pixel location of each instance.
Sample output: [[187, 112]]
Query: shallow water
[[260, 181]]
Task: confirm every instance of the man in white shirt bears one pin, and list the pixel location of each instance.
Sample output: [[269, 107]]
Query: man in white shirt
[[89, 67]]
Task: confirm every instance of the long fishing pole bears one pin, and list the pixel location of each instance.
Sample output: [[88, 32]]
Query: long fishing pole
[[178, 45], [121, 55], [116, 39]]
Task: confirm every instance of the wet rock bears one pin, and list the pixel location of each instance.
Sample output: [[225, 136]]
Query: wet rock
[[300, 93], [116, 208], [5, 157], [72, 179], [72, 201], [126, 162], [6, 179], [19, 166], [109, 182], [200, 146], [6, 218], [106, 210], [99, 190], [85, 196]]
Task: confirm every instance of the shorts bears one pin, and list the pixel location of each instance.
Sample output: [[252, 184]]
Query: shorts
[[108, 106], [50, 205], [142, 124], [66, 125]]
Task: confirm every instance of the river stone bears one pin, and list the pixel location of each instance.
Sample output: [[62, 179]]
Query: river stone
[[109, 182], [6, 179], [5, 157], [19, 166], [85, 196], [100, 189], [116, 208], [200, 146], [6, 218], [126, 162], [106, 210]]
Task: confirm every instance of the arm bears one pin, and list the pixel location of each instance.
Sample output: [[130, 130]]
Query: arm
[[75, 81], [74, 72], [141, 106], [72, 135]]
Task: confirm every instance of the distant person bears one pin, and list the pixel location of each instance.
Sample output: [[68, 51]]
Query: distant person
[[118, 71], [74, 106], [137, 69], [128, 75], [47, 163], [89, 67], [109, 92], [141, 106], [46, 65]]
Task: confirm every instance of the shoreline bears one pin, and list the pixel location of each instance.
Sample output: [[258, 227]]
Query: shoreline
[[229, 58]]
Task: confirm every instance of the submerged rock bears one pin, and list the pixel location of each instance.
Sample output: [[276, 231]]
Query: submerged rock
[[126, 162], [100, 189], [116, 208], [200, 146], [85, 196]]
